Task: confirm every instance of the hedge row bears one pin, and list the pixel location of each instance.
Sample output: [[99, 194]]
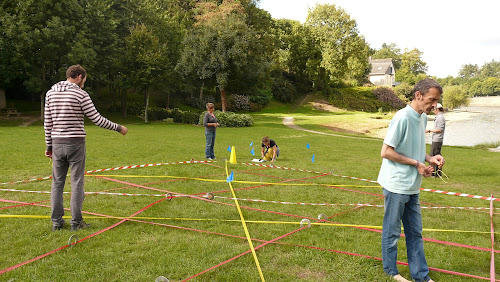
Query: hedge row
[[365, 99], [228, 119]]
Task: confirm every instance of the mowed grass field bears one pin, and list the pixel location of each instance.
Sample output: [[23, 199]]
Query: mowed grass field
[[181, 237]]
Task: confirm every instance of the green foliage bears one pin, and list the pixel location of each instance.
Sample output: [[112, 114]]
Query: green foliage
[[485, 87], [283, 89], [343, 51], [387, 96], [176, 114], [220, 45], [404, 91], [454, 97], [468, 71], [365, 99], [230, 119], [389, 51], [412, 66]]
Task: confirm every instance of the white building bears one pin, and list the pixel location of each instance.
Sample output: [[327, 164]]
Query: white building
[[382, 72]]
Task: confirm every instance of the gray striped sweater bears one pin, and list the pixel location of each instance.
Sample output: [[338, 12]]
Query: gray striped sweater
[[65, 106]]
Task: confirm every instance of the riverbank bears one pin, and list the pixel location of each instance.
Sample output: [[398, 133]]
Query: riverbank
[[466, 126]]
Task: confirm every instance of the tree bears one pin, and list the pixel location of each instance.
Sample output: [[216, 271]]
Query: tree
[[490, 69], [344, 52], [454, 96], [218, 46], [146, 62], [389, 51], [411, 66], [468, 71], [43, 33]]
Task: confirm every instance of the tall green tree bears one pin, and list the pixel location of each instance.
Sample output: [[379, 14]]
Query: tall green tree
[[389, 51], [344, 52], [44, 33], [146, 63], [490, 69], [218, 46], [412, 66], [468, 71]]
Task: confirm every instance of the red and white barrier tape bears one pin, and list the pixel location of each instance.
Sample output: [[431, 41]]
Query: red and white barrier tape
[[269, 166], [373, 181], [248, 200], [108, 169]]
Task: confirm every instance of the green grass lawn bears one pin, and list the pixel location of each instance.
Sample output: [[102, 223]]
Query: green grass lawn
[[180, 246]]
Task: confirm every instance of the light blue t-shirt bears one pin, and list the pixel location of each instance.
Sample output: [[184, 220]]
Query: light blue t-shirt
[[406, 134]]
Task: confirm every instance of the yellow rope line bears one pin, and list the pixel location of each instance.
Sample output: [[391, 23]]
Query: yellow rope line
[[236, 181], [249, 239], [247, 221]]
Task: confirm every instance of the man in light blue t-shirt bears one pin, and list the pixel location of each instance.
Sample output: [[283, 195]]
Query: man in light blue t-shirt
[[403, 166]]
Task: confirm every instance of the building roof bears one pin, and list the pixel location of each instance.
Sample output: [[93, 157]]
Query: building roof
[[381, 66]]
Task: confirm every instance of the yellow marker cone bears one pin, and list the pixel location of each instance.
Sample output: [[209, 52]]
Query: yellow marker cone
[[232, 158]]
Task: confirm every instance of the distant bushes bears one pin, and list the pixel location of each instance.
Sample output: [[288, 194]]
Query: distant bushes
[[177, 115], [230, 119], [365, 99], [386, 95]]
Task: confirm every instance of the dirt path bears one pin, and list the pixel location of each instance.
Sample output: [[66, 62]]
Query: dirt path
[[288, 121]]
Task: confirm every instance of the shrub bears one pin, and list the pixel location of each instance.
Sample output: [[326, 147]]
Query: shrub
[[198, 103], [404, 91], [262, 98], [230, 119], [365, 99], [175, 114], [135, 109], [454, 96], [386, 95], [156, 114], [354, 98], [238, 102], [283, 90]]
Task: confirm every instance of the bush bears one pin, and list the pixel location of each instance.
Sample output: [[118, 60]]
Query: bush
[[283, 90], [156, 114], [454, 97], [230, 119], [355, 98], [238, 102], [177, 115], [386, 95], [262, 98], [135, 109], [365, 99], [404, 91], [198, 103]]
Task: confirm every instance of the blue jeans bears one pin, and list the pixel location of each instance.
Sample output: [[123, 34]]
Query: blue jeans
[[209, 148], [406, 208]]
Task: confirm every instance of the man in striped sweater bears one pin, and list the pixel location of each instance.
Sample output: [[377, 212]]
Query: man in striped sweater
[[65, 106]]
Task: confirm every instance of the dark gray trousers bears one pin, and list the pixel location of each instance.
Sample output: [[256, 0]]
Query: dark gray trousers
[[63, 157], [436, 150]]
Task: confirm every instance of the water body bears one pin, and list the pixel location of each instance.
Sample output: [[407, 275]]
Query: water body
[[469, 126]]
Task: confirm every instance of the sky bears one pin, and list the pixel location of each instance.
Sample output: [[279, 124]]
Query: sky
[[449, 33]]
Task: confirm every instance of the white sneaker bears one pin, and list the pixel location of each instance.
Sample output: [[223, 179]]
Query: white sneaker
[[400, 278]]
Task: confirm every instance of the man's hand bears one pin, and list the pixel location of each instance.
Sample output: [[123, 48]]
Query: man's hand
[[124, 130], [425, 171], [48, 154], [437, 160]]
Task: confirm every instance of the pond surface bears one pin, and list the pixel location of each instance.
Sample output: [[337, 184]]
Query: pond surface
[[469, 126]]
